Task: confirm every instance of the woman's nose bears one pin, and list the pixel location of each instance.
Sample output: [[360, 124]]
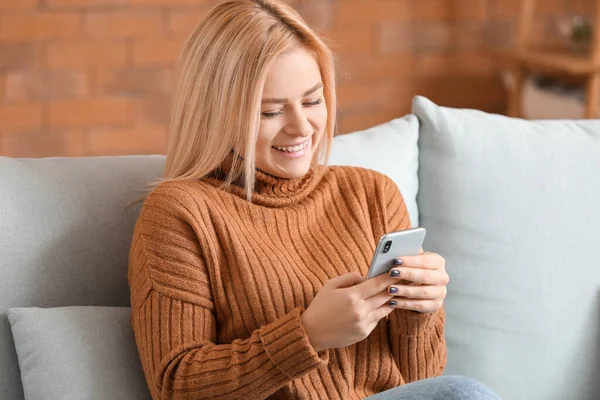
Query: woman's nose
[[298, 124]]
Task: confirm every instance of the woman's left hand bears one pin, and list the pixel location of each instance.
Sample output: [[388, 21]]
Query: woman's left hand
[[423, 283]]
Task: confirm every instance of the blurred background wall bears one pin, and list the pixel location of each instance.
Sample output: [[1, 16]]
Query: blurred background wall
[[92, 77]]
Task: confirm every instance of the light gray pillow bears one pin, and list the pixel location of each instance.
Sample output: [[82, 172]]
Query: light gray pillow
[[514, 207], [78, 353], [389, 148]]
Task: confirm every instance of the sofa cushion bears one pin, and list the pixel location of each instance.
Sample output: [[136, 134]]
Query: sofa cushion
[[65, 234], [77, 353], [389, 148], [514, 207]]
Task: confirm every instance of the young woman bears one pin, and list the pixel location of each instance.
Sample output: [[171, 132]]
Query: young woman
[[247, 262]]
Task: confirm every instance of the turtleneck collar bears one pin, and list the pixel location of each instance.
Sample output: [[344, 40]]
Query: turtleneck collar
[[269, 190]]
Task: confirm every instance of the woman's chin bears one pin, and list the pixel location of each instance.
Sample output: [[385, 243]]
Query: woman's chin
[[287, 171], [286, 166]]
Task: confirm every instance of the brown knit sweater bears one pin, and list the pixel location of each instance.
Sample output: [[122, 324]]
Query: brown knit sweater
[[218, 285]]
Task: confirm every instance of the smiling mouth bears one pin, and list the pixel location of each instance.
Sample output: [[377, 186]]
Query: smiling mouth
[[293, 149]]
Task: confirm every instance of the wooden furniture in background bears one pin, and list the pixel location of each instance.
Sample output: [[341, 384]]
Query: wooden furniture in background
[[524, 59]]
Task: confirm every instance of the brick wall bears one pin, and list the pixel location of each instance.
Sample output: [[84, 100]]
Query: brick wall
[[92, 77]]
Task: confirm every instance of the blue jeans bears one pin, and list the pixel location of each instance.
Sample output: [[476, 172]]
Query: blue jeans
[[449, 387]]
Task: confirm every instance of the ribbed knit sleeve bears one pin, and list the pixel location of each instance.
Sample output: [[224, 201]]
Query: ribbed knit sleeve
[[416, 340], [174, 321]]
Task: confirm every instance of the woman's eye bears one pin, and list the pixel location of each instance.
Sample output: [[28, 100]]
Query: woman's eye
[[278, 113], [314, 103], [272, 114]]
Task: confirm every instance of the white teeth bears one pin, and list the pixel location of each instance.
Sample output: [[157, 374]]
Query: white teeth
[[291, 149]]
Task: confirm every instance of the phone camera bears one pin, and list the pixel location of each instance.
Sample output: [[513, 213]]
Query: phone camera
[[387, 246]]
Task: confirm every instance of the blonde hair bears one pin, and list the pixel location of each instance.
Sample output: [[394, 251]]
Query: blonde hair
[[219, 80]]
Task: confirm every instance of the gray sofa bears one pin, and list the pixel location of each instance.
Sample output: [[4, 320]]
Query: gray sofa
[[513, 206]]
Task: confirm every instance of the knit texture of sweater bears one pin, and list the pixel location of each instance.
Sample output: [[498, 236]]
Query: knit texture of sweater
[[218, 285]]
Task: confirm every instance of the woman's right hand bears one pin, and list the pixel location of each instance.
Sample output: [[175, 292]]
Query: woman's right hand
[[347, 309]]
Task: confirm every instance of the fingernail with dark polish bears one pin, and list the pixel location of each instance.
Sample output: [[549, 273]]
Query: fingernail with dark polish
[[395, 273], [397, 261], [393, 303], [393, 290]]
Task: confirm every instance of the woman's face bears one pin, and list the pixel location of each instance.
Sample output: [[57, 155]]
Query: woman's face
[[293, 115]]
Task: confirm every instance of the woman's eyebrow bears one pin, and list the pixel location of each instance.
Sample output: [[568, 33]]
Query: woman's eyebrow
[[309, 91]]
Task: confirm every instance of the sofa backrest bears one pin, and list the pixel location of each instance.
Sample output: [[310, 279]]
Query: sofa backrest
[[514, 207], [65, 232]]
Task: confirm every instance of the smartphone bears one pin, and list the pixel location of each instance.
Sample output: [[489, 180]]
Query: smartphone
[[393, 245]]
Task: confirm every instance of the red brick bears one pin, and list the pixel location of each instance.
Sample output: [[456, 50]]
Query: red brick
[[376, 94], [9, 5], [376, 66], [460, 91], [86, 3], [86, 54], [444, 10], [90, 112], [181, 22], [552, 7], [505, 8], [153, 110], [45, 144], [20, 117], [435, 37], [500, 34], [357, 121], [363, 95], [139, 140], [17, 56], [372, 11], [468, 37], [512, 8], [318, 14], [45, 85], [124, 23], [395, 39], [351, 39], [581, 7], [133, 82], [30, 27], [172, 3], [466, 64], [157, 52], [2, 87]]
